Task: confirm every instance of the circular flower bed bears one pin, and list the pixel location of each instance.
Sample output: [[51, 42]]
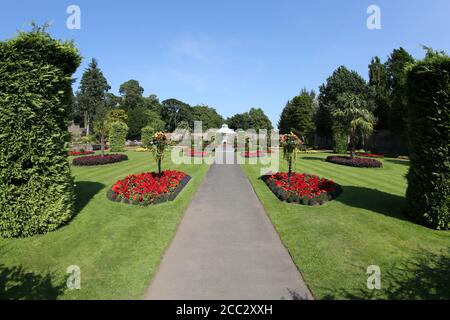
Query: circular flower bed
[[253, 154], [369, 155], [148, 188], [80, 153], [194, 153], [303, 188], [355, 162], [99, 160]]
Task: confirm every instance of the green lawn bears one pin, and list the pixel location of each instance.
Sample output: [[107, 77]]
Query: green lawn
[[118, 247], [334, 244]]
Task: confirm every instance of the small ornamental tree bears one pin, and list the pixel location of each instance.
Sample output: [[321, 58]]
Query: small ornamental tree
[[117, 136], [159, 144], [428, 90], [290, 143], [36, 186], [147, 134]]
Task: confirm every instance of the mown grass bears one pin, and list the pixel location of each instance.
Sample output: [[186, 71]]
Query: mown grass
[[334, 244], [118, 247]]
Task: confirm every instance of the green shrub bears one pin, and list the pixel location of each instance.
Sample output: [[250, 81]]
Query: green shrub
[[117, 136], [428, 194], [340, 141], [36, 187], [147, 136]]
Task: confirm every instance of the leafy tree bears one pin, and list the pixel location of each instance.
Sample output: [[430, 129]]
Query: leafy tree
[[341, 81], [174, 111], [298, 116], [132, 95], [396, 66], [208, 116], [240, 121], [117, 115], [141, 117], [379, 91], [353, 115], [92, 92]]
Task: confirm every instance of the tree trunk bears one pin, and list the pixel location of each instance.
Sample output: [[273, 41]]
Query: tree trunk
[[159, 166], [102, 144], [87, 123]]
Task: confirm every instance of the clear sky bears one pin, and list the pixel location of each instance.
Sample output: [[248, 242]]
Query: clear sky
[[234, 55]]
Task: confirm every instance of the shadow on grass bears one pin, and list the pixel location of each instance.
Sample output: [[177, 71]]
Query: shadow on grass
[[426, 277], [84, 192], [374, 200], [313, 158], [17, 284], [397, 161]]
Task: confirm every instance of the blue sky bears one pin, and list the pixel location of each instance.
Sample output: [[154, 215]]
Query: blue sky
[[234, 55]]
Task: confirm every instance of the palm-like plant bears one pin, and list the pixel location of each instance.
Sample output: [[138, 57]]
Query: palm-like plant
[[353, 115]]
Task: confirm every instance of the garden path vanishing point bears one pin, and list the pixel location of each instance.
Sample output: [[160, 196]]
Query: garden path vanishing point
[[226, 248]]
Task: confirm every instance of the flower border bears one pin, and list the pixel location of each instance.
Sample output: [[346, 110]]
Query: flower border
[[355, 162]]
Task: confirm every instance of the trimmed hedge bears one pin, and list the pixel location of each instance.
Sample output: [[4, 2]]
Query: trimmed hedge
[[355, 162], [99, 160], [36, 186], [147, 134], [118, 136], [428, 193]]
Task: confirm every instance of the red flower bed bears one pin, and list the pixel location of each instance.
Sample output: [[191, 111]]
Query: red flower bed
[[369, 155], [194, 153], [99, 160], [304, 188], [355, 162], [148, 188], [254, 154], [80, 153]]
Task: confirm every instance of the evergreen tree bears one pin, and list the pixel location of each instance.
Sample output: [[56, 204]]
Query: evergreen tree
[[379, 91], [91, 95]]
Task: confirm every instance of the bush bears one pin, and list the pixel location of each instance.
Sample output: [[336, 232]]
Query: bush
[[117, 136], [147, 134], [99, 160], [36, 187], [340, 141], [428, 193], [355, 162]]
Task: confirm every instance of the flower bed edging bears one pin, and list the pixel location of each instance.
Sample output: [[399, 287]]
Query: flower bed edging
[[165, 197], [355, 162], [308, 200], [98, 160]]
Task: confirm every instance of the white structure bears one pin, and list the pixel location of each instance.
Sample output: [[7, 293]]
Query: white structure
[[225, 150], [227, 135]]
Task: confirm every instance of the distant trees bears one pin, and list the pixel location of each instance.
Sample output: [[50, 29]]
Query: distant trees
[[298, 116], [208, 116], [379, 91], [92, 93], [254, 119]]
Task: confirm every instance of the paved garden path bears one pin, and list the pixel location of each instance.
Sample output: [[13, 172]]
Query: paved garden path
[[226, 248]]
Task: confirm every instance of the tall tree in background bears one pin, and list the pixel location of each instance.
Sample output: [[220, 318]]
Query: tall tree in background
[[174, 111], [132, 95], [92, 93], [379, 91], [341, 81], [240, 121], [259, 120], [396, 68], [298, 116], [352, 113], [208, 116]]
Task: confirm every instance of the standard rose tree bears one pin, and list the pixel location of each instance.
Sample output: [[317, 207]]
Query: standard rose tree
[[290, 143], [159, 145]]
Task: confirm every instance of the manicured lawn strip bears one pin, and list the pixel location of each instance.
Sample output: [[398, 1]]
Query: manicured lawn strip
[[118, 247], [334, 244]]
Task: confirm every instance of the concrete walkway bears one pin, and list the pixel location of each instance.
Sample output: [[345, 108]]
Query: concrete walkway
[[226, 248]]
